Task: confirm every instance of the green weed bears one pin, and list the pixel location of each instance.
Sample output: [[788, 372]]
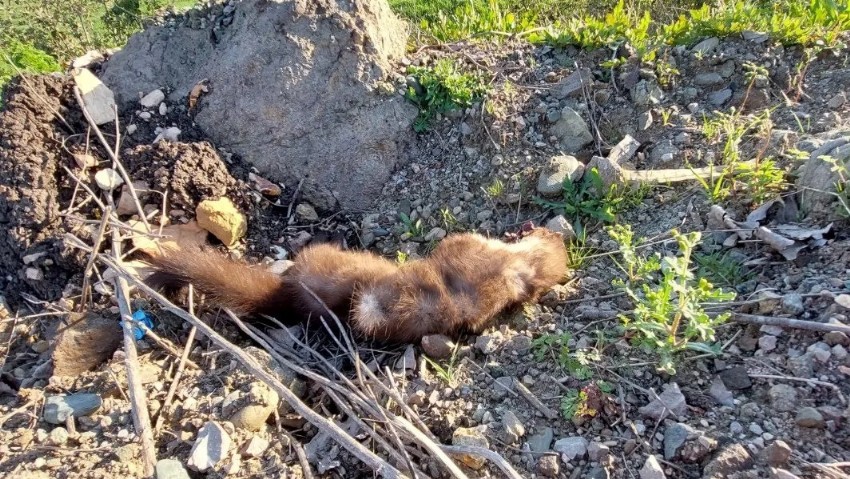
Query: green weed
[[449, 220], [445, 373], [442, 88], [576, 363], [668, 315], [413, 228], [842, 185], [401, 257], [721, 268], [496, 189], [476, 19]]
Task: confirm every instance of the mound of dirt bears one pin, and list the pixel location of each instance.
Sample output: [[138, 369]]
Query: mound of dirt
[[33, 257], [294, 89]]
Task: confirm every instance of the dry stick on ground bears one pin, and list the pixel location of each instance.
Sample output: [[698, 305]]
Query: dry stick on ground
[[172, 389], [86, 297], [530, 397], [378, 465], [789, 323], [814, 382], [113, 155], [426, 440], [141, 418], [302, 456]]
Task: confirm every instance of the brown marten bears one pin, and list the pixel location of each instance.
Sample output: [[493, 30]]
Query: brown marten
[[460, 287]]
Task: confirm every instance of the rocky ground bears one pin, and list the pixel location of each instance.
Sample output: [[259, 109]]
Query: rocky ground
[[772, 404]]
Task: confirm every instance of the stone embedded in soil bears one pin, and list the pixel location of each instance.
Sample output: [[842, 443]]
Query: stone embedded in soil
[[736, 378], [170, 134], [210, 448], [820, 351], [488, 343], [514, 428], [720, 97], [571, 131], [706, 46], [782, 474], [221, 218], [776, 454], [152, 99], [58, 436], [437, 346], [646, 93], [59, 408], [254, 447], [732, 458], [792, 304], [559, 169], [108, 179], [464, 436], [670, 401], [834, 338], [609, 172], [406, 361], [597, 451], [34, 274], [84, 343], [548, 466], [767, 343], [306, 212], [253, 416], [561, 225], [720, 392], [541, 441], [809, 417], [126, 205], [843, 300], [435, 234], [837, 101], [651, 469], [783, 397], [674, 437], [170, 469], [97, 97], [571, 448]]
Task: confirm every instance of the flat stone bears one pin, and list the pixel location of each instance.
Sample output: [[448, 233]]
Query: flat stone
[[670, 401], [652, 469], [736, 378], [254, 447], [571, 448], [541, 441], [549, 466], [210, 448], [730, 459], [306, 212], [783, 397], [59, 408], [720, 97], [571, 130], [97, 97], [809, 417], [706, 46], [514, 428], [170, 469]]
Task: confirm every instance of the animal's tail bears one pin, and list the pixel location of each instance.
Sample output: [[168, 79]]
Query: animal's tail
[[226, 283]]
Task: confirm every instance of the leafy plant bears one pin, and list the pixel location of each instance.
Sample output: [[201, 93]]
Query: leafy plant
[[477, 19], [445, 373], [721, 268], [440, 89], [495, 189], [576, 363], [668, 315], [585, 402], [450, 222], [413, 228], [401, 257]]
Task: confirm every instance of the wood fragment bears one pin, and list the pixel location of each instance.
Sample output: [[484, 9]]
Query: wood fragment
[[530, 397], [789, 323]]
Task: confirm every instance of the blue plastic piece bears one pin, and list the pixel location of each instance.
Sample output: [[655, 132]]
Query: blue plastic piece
[[141, 317]]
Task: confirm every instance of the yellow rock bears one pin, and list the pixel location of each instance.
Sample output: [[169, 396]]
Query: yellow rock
[[221, 218], [470, 436]]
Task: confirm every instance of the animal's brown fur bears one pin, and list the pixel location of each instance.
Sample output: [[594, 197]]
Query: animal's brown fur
[[465, 282]]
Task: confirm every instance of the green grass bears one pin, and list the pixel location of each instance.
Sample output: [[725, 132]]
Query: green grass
[[442, 88]]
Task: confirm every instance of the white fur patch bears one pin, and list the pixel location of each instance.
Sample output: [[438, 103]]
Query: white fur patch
[[517, 276], [368, 314]]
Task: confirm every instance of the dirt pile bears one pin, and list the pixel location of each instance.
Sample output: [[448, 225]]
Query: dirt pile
[[296, 88]]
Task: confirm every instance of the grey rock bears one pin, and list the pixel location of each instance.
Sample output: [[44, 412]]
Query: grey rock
[[732, 458], [736, 428], [720, 97], [708, 79], [598, 472], [559, 169], [624, 150], [597, 451], [755, 37], [839, 352], [767, 343], [571, 130], [548, 466], [435, 234], [820, 351], [59, 408], [254, 447], [776, 454], [541, 441], [97, 97], [652, 469], [782, 474], [817, 174], [834, 338], [792, 304], [211, 447], [706, 46], [407, 361], [645, 120], [306, 212], [646, 93], [663, 153], [571, 447], [783, 397], [153, 99], [58, 436], [503, 385], [670, 401], [514, 428], [488, 343], [837, 101], [802, 366], [810, 417], [437, 346], [346, 136], [560, 224], [674, 437], [170, 469], [721, 393], [610, 172], [736, 378], [572, 84]]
